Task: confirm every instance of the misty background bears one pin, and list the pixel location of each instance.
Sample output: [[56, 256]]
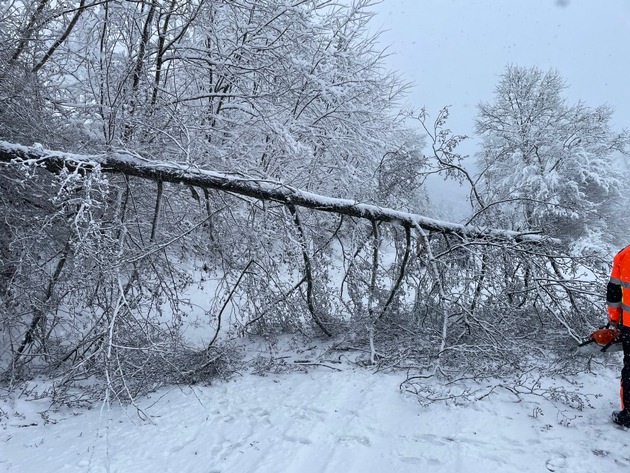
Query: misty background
[[453, 53]]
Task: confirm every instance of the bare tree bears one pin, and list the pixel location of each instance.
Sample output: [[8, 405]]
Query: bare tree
[[547, 164]]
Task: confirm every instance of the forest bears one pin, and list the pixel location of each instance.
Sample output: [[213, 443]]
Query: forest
[[261, 154]]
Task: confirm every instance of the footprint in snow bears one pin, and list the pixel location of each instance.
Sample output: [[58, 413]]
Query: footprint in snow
[[412, 460], [556, 463], [358, 439]]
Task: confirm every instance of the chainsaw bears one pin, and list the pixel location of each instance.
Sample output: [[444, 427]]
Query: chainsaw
[[603, 339]]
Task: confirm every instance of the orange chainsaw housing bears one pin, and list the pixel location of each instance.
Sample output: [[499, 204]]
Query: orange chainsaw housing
[[604, 336]]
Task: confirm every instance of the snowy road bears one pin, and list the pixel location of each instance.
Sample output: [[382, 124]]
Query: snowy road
[[323, 421]]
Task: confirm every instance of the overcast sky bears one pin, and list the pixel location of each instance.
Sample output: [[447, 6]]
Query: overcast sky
[[455, 50]]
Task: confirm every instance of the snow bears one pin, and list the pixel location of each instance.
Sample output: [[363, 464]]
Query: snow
[[333, 416]]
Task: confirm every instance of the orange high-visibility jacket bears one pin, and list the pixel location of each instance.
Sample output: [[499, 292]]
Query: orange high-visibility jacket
[[618, 292]]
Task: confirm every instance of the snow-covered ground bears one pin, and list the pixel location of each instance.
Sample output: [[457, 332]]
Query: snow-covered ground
[[333, 418]]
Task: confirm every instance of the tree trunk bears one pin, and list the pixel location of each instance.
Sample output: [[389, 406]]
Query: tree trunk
[[134, 165]]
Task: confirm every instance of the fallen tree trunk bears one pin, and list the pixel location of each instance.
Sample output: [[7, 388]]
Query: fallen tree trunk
[[189, 174]]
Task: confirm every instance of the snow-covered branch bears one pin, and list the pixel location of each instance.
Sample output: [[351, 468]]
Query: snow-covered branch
[[191, 175]]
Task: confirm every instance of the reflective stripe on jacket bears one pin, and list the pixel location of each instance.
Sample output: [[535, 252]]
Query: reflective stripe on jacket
[[618, 292]]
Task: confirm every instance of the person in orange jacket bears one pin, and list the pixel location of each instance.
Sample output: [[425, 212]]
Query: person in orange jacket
[[618, 302]]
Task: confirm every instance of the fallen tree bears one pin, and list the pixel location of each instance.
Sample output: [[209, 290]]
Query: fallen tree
[[93, 263], [191, 175]]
